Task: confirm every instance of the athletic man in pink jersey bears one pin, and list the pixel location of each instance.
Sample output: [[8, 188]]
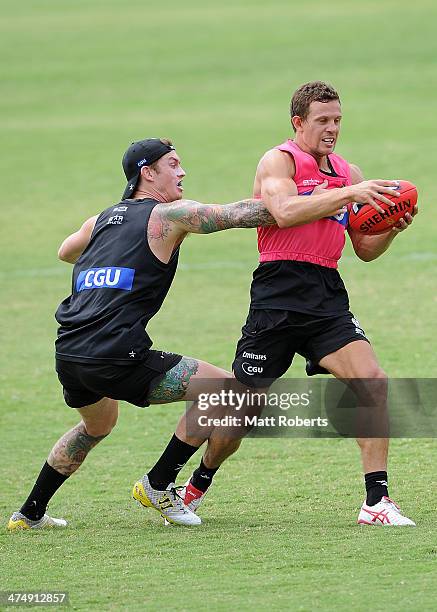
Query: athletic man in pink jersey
[[298, 300]]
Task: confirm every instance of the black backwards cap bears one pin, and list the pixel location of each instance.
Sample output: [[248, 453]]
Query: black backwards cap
[[139, 154]]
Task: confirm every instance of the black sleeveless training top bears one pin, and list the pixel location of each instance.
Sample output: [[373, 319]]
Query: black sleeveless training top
[[118, 286]]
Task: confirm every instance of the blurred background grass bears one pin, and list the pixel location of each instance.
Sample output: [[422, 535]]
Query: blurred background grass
[[80, 81]]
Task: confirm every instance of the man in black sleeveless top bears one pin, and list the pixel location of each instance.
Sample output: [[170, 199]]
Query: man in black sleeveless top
[[124, 263]]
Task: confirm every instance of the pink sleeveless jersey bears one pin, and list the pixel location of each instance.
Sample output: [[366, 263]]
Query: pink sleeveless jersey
[[320, 242]]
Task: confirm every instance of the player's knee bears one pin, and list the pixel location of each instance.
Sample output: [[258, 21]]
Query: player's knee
[[371, 388], [373, 371], [381, 373], [102, 427]]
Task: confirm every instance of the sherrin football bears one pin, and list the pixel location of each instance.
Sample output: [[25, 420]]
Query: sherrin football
[[365, 219]]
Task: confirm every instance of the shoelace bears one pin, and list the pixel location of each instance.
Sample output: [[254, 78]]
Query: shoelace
[[174, 492], [393, 504]]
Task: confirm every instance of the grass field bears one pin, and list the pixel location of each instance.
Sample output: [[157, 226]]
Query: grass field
[[82, 80]]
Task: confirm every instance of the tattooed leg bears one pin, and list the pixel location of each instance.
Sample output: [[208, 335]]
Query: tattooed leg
[[97, 422], [66, 456], [70, 451], [174, 385]]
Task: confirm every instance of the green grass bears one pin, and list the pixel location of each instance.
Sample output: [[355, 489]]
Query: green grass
[[80, 81]]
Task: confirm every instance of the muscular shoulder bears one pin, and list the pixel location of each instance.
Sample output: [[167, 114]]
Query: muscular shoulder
[[273, 165], [163, 234], [174, 218], [276, 163], [158, 227], [174, 210]]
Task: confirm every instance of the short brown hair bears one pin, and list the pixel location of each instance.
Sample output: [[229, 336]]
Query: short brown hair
[[315, 91]]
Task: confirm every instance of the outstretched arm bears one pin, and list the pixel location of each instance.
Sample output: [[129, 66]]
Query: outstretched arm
[[75, 244], [192, 217]]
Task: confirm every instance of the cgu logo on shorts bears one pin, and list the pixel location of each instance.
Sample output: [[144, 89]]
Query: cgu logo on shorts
[[105, 278], [251, 369]]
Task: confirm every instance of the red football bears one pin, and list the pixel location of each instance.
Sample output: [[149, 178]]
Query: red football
[[365, 219]]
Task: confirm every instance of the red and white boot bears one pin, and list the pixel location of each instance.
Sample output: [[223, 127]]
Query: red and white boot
[[192, 497], [384, 513]]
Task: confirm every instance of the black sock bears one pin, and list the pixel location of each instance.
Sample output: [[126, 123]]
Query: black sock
[[46, 485], [170, 463], [376, 487], [202, 477]]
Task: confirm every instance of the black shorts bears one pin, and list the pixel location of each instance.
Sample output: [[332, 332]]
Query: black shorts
[[85, 383], [271, 338]]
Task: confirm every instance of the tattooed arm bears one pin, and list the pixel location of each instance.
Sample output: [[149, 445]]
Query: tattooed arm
[[189, 216]]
